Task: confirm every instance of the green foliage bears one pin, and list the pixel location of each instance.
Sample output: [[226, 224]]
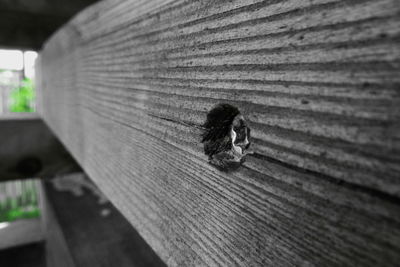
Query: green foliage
[[19, 204], [19, 213], [23, 97]]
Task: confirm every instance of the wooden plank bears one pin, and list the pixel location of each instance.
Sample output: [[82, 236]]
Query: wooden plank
[[29, 149], [127, 85]]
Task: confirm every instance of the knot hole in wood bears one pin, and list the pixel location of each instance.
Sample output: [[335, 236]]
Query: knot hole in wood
[[226, 137]]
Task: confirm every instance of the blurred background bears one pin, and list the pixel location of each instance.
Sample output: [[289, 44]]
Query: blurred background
[[51, 214], [17, 75]]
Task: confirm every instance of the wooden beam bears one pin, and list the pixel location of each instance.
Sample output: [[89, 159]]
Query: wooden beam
[[29, 149], [127, 86]]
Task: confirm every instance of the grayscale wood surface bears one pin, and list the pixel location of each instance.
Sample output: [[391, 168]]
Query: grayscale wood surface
[[126, 86]]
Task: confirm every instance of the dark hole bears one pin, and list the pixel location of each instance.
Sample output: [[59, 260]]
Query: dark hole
[[29, 166], [219, 121], [224, 122]]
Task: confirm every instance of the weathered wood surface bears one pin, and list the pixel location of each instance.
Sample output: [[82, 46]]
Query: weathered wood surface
[[126, 86], [29, 149]]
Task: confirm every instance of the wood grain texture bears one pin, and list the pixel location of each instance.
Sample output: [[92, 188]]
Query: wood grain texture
[[126, 86]]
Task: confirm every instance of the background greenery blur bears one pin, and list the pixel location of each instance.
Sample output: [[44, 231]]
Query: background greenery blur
[[17, 92], [22, 98], [19, 200]]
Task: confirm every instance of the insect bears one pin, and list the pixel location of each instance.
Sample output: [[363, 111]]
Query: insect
[[226, 137]]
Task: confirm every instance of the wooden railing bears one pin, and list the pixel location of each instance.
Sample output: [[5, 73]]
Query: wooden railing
[[127, 85]]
